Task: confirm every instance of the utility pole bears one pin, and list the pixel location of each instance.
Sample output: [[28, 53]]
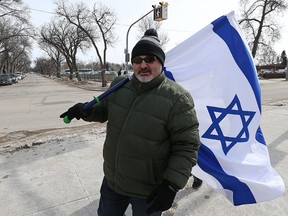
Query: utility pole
[[160, 14]]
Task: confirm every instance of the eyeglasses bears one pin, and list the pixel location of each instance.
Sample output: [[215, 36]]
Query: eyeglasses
[[147, 59]]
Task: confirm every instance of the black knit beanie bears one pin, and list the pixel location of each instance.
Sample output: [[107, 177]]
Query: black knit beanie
[[149, 44]]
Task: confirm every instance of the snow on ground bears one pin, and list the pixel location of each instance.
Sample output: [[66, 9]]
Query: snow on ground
[[86, 142]]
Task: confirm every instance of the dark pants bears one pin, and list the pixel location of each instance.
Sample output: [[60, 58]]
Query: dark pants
[[114, 204]]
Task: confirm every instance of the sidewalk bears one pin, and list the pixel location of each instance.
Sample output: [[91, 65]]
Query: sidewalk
[[59, 173], [85, 84]]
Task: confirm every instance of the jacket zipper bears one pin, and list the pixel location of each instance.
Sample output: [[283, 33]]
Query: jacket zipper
[[116, 156]]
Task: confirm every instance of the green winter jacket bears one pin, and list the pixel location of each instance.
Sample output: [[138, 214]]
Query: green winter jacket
[[152, 134]]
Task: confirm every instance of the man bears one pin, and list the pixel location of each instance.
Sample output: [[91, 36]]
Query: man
[[152, 137]]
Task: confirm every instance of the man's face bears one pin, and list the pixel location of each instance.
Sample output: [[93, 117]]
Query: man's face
[[146, 68]]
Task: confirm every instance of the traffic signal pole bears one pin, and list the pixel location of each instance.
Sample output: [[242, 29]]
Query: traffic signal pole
[[160, 13], [127, 55]]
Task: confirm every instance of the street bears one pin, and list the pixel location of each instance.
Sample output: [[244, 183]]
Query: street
[[36, 102], [273, 90], [57, 171]]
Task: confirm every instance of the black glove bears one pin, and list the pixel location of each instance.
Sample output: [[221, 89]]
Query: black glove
[[161, 199], [76, 111]]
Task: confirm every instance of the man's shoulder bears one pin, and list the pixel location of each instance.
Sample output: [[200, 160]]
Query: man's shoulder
[[175, 86], [118, 79]]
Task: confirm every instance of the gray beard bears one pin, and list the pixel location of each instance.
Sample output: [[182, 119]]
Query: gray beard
[[144, 79]]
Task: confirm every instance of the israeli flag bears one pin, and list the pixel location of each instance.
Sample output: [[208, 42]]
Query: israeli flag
[[216, 67]]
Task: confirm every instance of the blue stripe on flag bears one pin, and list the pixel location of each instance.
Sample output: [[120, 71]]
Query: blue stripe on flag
[[168, 74], [238, 49], [243, 59], [259, 136], [241, 193], [209, 168]]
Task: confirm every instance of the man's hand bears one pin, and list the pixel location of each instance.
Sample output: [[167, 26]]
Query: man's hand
[[75, 111], [161, 199]]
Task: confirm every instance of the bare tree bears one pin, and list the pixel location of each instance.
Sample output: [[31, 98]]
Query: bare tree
[[267, 56], [14, 42], [97, 24], [15, 9], [259, 23], [22, 62], [147, 23], [56, 57], [67, 39], [14, 38], [13, 15], [44, 66]]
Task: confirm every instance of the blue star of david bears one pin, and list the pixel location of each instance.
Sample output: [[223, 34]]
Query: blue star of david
[[234, 108]]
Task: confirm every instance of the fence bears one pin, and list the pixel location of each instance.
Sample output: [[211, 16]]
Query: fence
[[94, 76]]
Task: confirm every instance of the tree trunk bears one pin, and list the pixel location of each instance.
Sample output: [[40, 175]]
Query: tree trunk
[[103, 76], [58, 70]]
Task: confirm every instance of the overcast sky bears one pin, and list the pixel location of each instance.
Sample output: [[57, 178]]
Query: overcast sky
[[185, 18]]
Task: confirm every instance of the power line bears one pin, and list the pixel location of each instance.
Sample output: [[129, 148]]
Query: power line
[[162, 29], [118, 24], [42, 11]]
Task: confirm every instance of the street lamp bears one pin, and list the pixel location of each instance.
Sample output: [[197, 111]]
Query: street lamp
[[160, 14]]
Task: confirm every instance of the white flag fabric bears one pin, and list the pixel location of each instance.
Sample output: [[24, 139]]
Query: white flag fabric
[[216, 67]]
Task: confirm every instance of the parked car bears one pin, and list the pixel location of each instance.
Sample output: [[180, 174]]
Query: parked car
[[19, 75], [280, 71], [5, 79], [14, 78]]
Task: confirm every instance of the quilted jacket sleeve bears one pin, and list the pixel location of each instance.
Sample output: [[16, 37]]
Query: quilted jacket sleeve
[[100, 111], [184, 136]]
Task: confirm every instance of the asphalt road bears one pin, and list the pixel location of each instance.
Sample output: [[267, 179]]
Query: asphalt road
[[63, 176], [273, 90], [36, 103]]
